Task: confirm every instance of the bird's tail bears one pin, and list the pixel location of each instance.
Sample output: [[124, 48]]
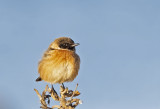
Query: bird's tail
[[38, 79]]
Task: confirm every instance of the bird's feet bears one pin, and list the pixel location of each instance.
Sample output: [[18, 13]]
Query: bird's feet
[[52, 88], [63, 86]]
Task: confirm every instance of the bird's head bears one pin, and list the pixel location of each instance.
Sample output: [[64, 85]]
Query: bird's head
[[63, 43]]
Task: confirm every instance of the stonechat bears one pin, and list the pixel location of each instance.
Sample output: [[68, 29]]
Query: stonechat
[[60, 63]]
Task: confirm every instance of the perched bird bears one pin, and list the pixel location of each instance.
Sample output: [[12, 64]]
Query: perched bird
[[60, 63]]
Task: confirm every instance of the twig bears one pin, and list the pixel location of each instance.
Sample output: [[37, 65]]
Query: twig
[[74, 92], [64, 93]]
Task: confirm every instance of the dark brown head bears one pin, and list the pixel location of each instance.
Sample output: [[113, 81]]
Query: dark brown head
[[63, 43]]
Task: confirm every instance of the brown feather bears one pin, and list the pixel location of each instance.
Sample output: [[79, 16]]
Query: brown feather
[[38, 79], [61, 66]]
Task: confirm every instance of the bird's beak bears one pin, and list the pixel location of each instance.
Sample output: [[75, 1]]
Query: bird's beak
[[75, 44]]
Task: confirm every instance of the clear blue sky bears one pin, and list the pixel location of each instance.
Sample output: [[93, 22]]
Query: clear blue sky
[[119, 50]]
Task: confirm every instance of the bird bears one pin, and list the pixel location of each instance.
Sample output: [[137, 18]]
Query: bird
[[60, 63]]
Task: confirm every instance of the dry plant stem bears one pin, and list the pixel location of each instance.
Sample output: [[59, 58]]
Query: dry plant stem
[[74, 92], [55, 106], [64, 93], [42, 99]]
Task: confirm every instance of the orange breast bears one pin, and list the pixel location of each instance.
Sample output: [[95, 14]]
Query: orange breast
[[59, 66]]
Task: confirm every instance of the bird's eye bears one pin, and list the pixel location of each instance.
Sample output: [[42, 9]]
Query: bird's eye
[[65, 45]]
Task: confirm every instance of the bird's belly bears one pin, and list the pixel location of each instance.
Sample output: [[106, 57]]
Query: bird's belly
[[62, 73], [59, 69]]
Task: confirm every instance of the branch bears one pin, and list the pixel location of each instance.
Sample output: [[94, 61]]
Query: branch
[[65, 99]]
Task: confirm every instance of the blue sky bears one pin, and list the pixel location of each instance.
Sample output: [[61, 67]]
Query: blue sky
[[119, 50]]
